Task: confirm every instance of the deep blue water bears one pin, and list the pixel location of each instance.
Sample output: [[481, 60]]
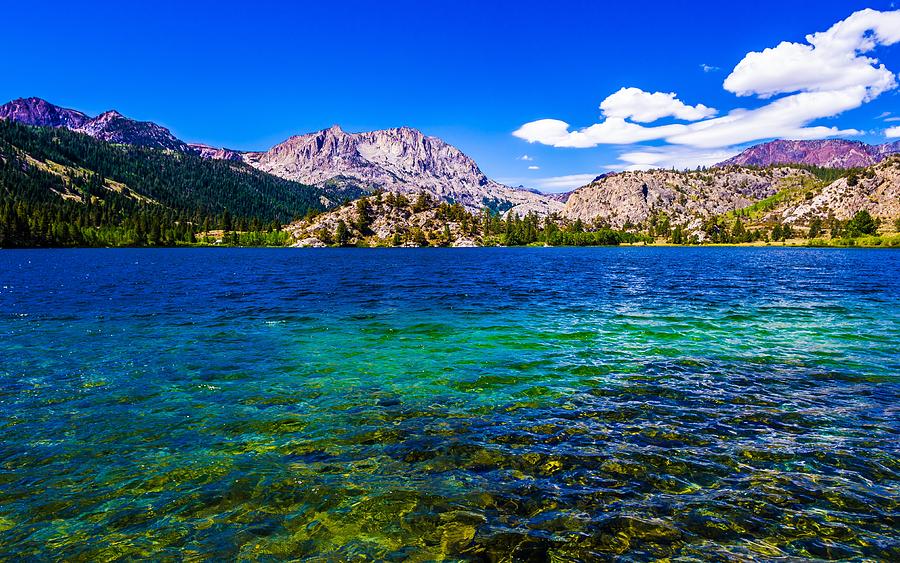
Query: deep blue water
[[456, 404]]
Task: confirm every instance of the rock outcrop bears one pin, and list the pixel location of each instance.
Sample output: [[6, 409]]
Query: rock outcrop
[[876, 191], [391, 220], [630, 198]]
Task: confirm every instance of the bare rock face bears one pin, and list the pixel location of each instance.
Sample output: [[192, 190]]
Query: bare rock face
[[113, 127], [630, 198], [400, 160], [215, 153], [828, 153], [887, 149], [40, 113], [878, 193]]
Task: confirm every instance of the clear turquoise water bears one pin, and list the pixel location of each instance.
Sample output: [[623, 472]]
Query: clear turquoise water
[[467, 404]]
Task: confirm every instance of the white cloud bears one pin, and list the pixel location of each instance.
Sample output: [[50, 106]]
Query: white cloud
[[534, 167], [627, 104], [670, 157], [555, 184], [525, 157], [891, 119], [783, 118], [821, 79], [892, 132], [611, 131], [884, 115], [709, 68], [830, 60], [644, 107]]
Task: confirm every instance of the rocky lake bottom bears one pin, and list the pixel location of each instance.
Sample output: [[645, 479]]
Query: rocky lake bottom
[[529, 404]]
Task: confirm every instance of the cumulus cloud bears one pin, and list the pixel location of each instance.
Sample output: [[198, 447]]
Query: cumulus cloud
[[830, 60], [892, 132], [828, 75], [623, 111], [644, 107], [532, 167], [785, 117], [709, 68], [525, 157], [611, 131]]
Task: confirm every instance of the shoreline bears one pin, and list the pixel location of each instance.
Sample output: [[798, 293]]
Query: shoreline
[[623, 245]]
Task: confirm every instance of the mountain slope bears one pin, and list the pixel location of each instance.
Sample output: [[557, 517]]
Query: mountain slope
[[399, 160], [110, 126], [828, 153], [791, 195], [877, 191], [47, 166], [113, 127], [631, 198]]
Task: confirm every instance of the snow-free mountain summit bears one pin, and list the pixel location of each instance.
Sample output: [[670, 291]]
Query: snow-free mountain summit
[[400, 159]]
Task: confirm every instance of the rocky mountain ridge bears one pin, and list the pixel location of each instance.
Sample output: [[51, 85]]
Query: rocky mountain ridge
[[113, 127], [40, 113], [401, 160], [110, 126], [216, 153], [826, 153]]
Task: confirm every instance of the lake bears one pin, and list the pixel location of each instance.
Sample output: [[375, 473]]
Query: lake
[[458, 404]]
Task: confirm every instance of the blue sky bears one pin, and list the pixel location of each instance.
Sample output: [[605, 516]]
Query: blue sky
[[247, 75]]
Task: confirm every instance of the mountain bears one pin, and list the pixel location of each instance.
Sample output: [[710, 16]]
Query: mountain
[[400, 160], [113, 127], [40, 113], [828, 153], [110, 126]]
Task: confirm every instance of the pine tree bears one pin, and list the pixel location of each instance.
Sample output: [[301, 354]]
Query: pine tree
[[341, 233]]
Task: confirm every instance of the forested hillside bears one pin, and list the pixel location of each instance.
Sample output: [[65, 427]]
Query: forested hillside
[[59, 188]]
